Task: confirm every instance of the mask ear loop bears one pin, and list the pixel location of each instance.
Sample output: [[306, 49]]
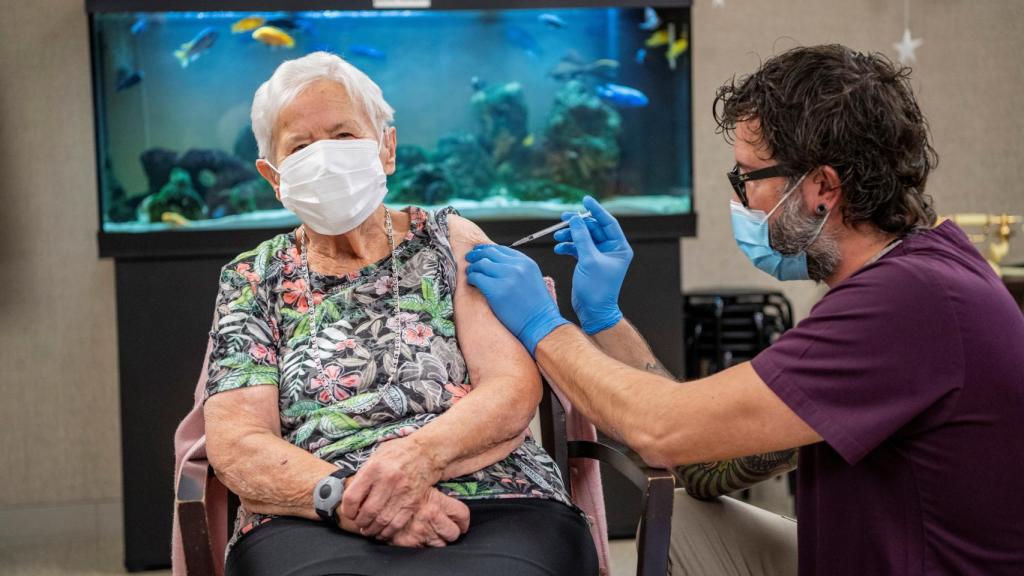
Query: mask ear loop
[[818, 231], [786, 195], [824, 220], [383, 137], [276, 171], [821, 226]]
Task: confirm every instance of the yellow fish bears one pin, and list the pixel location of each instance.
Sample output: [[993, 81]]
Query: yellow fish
[[659, 38], [247, 24], [272, 36], [677, 48], [175, 219], [528, 141]]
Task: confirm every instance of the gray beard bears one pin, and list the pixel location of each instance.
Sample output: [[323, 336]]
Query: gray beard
[[793, 231]]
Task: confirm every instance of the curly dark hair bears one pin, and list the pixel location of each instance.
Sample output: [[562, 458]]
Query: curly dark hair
[[830, 105]]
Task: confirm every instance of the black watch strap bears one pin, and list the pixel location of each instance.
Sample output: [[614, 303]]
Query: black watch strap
[[327, 495]]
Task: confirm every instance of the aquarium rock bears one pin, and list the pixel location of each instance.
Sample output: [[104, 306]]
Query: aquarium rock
[[227, 170], [421, 184], [541, 189], [582, 140], [177, 196], [407, 156], [502, 120], [157, 163], [467, 165], [249, 196]]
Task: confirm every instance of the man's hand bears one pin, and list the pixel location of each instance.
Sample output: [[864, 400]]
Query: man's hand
[[438, 522], [603, 256], [516, 292], [390, 487]]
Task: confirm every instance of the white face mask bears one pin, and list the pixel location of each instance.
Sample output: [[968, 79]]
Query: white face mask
[[333, 186]]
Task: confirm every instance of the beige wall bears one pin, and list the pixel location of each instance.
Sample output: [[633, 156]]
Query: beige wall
[[59, 435]]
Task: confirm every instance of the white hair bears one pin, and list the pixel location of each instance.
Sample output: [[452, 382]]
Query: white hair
[[292, 76]]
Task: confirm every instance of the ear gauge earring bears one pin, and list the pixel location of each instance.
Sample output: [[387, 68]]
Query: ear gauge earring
[[821, 209]]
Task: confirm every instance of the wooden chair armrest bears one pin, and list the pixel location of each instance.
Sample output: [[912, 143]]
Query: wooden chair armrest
[[196, 485], [192, 482], [657, 487], [624, 460]]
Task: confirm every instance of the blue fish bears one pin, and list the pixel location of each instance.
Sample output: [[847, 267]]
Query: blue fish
[[651, 20], [195, 47], [622, 96], [477, 84], [139, 25], [523, 40], [126, 78], [641, 55], [552, 21], [364, 51]]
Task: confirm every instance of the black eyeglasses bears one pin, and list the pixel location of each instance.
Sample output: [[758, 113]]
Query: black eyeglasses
[[738, 179]]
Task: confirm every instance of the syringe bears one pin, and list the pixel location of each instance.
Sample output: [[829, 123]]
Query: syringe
[[548, 230]]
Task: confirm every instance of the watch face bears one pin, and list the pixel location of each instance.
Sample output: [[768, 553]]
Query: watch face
[[325, 491], [326, 496]]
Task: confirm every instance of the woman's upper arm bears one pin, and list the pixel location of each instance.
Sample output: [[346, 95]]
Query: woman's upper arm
[[242, 373], [490, 350], [232, 415]]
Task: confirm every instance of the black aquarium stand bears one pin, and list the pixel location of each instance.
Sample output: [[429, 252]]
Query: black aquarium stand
[[165, 304]]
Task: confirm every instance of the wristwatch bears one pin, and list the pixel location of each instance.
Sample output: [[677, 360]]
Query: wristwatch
[[327, 495]]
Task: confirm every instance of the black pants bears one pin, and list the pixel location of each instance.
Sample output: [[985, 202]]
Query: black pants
[[521, 537]]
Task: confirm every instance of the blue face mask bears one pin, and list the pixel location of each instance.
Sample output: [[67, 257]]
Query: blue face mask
[[750, 228]]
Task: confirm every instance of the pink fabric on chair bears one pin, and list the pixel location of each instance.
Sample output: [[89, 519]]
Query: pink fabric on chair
[[190, 445], [585, 474], [585, 481]]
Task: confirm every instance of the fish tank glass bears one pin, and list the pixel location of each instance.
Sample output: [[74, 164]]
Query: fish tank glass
[[505, 112]]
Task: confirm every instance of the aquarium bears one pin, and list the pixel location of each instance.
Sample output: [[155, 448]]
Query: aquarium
[[503, 112]]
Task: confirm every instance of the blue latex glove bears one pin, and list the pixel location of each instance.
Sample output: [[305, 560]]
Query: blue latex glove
[[602, 258], [515, 289]]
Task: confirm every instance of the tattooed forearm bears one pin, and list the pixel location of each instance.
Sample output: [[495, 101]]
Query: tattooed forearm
[[712, 479], [623, 343]]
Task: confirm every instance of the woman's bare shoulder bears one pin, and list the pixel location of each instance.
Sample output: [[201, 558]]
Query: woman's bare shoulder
[[464, 233]]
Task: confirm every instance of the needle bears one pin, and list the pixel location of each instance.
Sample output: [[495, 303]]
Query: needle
[[548, 230]]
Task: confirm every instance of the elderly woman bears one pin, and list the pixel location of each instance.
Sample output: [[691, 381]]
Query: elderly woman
[[363, 401]]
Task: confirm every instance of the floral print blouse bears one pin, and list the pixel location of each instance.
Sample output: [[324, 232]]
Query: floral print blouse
[[261, 336]]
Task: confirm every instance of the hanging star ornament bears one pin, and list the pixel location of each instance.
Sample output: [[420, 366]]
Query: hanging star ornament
[[906, 47]]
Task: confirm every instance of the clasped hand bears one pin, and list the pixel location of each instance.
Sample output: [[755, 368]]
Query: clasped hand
[[392, 499]]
